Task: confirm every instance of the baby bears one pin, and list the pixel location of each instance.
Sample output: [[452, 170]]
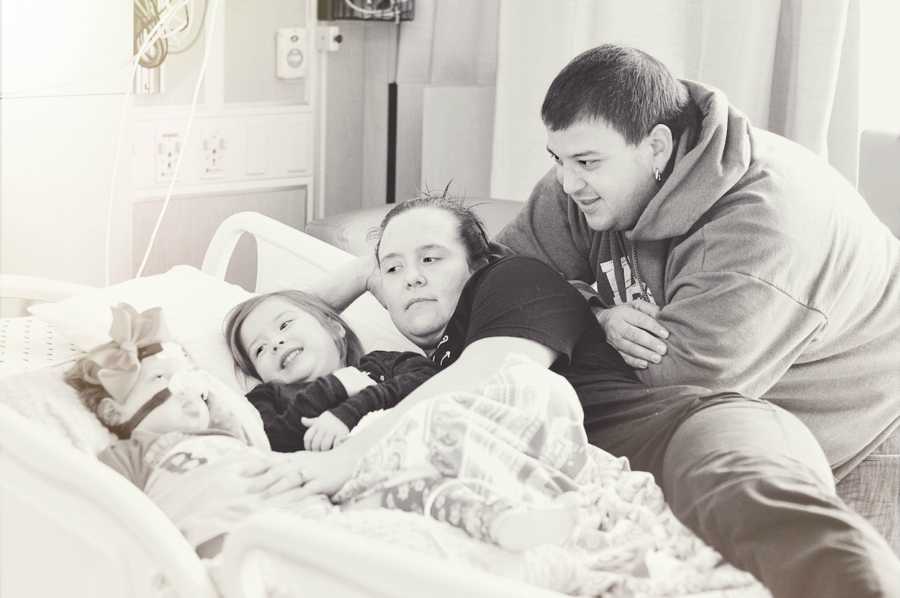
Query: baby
[[179, 440], [316, 383]]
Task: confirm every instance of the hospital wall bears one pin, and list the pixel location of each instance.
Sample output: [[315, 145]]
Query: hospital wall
[[59, 114], [63, 91], [63, 135], [444, 62]]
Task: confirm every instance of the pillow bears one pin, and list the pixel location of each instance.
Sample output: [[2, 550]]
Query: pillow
[[43, 397], [373, 325], [194, 304]]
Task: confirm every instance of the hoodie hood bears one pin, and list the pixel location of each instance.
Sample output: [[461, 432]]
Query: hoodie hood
[[710, 159]]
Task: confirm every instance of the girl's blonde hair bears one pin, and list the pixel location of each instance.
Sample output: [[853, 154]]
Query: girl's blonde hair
[[349, 347]]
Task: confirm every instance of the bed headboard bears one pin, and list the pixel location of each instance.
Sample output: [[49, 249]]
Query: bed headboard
[[285, 258]]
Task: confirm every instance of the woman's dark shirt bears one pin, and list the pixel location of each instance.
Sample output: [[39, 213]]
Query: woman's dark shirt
[[524, 298]]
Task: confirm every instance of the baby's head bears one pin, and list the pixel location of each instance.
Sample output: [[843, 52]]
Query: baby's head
[[289, 336], [140, 380]]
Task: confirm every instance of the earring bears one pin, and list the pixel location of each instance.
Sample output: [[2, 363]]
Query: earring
[[657, 175]]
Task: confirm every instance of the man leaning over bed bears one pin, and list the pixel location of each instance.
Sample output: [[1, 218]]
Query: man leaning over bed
[[724, 256]]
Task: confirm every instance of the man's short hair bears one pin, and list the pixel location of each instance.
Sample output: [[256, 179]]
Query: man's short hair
[[626, 88]]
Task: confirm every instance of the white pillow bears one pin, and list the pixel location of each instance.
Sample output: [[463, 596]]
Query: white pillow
[[194, 305], [43, 397], [373, 325]]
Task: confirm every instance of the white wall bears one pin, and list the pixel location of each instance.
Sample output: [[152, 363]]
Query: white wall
[[64, 83], [447, 54], [60, 110]]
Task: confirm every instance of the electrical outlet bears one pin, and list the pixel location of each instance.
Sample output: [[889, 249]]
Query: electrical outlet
[[213, 156], [168, 148]]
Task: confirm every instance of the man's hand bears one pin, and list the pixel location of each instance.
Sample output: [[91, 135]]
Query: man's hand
[[324, 433], [633, 331]]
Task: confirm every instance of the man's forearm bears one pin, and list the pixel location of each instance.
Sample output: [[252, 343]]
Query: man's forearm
[[588, 292]]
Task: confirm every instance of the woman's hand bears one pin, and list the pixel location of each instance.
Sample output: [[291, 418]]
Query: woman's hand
[[372, 276], [273, 476], [324, 433], [303, 474], [633, 331]]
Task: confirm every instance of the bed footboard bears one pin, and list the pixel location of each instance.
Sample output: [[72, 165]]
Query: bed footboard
[[56, 503], [277, 554]]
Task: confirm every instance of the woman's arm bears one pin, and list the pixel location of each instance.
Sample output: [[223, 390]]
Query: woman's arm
[[327, 472], [342, 286]]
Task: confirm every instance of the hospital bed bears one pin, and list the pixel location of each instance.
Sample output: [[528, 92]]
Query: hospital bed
[[71, 527]]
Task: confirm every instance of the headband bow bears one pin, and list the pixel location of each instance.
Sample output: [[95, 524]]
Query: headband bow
[[116, 365]]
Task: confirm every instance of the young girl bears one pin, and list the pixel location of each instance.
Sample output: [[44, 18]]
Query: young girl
[[316, 387], [316, 383]]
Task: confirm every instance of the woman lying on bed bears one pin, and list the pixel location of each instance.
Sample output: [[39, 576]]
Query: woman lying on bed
[[448, 292]]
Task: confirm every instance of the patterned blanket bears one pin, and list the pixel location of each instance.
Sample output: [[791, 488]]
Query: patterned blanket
[[518, 446]]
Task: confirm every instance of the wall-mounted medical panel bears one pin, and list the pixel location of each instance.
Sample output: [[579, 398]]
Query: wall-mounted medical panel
[[222, 149]]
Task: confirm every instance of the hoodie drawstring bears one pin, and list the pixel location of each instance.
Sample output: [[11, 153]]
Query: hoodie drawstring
[[617, 251], [637, 274]]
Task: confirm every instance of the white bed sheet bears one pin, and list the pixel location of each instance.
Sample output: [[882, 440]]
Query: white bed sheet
[[43, 482]]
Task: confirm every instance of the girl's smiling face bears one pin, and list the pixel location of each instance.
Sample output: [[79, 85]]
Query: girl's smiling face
[[287, 344]]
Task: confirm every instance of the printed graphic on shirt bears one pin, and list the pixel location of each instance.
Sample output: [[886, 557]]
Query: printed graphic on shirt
[[632, 285], [440, 356], [182, 462]]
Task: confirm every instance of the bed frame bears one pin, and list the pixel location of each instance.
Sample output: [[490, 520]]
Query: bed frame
[[71, 527]]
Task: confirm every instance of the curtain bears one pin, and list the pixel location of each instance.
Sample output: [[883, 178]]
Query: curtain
[[445, 71], [791, 65]]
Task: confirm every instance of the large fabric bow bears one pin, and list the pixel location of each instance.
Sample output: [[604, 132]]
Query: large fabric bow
[[116, 365]]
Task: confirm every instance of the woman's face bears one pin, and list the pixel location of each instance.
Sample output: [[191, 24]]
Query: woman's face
[[424, 267], [287, 344]]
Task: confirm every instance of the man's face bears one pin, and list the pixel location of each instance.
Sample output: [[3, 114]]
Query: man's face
[[610, 180]]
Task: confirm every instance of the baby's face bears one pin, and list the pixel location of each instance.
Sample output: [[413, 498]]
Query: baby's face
[[286, 344], [184, 411]]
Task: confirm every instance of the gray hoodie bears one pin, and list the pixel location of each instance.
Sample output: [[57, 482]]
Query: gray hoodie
[[773, 276]]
